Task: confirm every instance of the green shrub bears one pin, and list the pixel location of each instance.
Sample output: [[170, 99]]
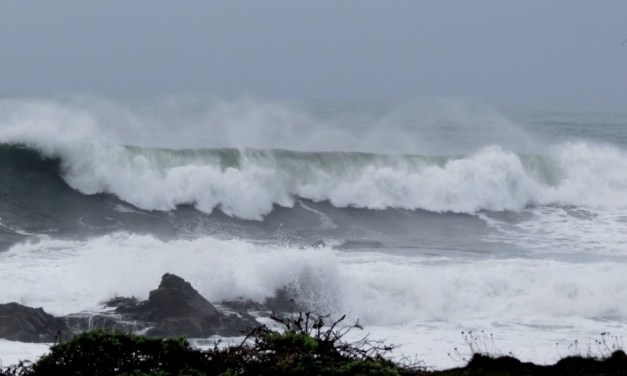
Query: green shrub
[[305, 347], [106, 353]]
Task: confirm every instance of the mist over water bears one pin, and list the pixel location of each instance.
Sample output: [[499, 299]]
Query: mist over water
[[435, 126], [420, 218]]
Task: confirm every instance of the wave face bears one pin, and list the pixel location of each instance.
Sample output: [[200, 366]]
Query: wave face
[[93, 156], [248, 183]]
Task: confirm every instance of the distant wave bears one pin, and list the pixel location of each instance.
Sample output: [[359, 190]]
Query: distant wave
[[247, 183]]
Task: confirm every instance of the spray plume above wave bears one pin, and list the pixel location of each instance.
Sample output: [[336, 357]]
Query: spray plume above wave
[[247, 183]]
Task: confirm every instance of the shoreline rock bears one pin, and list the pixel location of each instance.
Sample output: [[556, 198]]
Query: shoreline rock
[[27, 324], [174, 308]]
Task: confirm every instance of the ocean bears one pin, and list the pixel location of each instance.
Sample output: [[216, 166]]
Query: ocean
[[421, 219]]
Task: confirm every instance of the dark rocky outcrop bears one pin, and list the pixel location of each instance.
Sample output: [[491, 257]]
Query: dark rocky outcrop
[[177, 309], [26, 324], [120, 301]]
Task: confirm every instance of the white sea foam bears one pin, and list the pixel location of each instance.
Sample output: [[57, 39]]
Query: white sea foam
[[11, 352], [553, 229], [492, 178], [381, 289], [441, 345], [420, 302]]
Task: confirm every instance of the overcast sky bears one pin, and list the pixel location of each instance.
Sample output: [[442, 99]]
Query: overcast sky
[[564, 51]]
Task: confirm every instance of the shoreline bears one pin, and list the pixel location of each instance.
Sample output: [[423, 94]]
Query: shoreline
[[439, 345], [302, 347]]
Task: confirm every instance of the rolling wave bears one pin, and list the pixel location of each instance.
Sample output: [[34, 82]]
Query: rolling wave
[[247, 183]]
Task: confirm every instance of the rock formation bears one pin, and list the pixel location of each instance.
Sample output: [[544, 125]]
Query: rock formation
[[176, 308], [26, 324]]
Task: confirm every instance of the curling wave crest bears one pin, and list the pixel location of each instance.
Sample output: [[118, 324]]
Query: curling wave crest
[[247, 183]]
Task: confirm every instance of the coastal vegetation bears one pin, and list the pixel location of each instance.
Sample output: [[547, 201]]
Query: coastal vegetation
[[305, 345]]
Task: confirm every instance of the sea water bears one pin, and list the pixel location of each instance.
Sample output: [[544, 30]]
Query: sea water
[[420, 219]]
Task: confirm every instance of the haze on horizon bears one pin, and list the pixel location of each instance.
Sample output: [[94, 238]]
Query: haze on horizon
[[562, 51]]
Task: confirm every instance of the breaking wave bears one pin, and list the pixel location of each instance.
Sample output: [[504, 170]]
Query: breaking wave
[[248, 182]]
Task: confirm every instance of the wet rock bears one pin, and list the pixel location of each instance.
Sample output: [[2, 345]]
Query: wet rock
[[27, 324], [177, 309], [121, 302]]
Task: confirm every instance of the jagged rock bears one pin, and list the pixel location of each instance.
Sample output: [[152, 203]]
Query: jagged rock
[[121, 301], [177, 309], [27, 324]]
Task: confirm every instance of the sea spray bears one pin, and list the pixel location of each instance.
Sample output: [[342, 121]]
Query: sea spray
[[248, 183], [378, 288]]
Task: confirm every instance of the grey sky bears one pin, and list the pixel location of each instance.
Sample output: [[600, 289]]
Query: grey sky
[[498, 51]]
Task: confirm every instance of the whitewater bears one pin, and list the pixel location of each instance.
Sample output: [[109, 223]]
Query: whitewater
[[421, 219]]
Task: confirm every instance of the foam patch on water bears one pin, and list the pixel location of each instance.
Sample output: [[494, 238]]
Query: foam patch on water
[[67, 276], [420, 302], [568, 231], [11, 352], [442, 345]]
